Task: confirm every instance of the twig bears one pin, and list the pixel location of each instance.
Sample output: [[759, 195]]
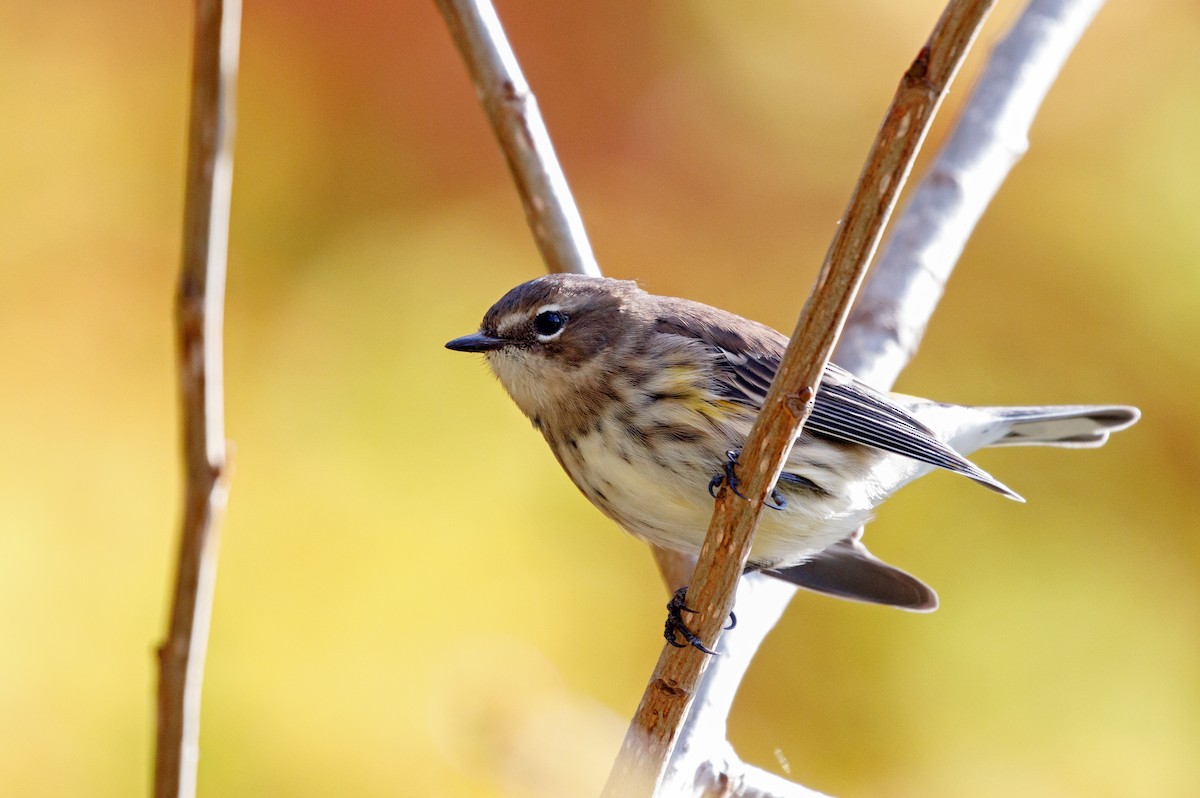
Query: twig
[[989, 138], [512, 109], [1042, 37], [893, 309], [199, 316], [550, 209], [899, 297], [703, 758], [651, 736]]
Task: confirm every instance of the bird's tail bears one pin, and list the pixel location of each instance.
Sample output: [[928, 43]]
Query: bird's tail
[[1072, 426], [847, 570]]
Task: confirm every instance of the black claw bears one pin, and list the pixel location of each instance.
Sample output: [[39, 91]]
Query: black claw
[[676, 626], [780, 501], [729, 477], [714, 485]]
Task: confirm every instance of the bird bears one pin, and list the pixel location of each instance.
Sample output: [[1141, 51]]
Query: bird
[[645, 401]]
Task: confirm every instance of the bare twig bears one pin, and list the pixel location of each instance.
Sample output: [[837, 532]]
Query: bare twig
[[990, 136], [513, 111], [704, 763], [651, 736], [550, 209], [199, 316], [1042, 38], [735, 779], [899, 297]]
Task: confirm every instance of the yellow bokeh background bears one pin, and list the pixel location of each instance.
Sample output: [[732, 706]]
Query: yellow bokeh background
[[412, 599]]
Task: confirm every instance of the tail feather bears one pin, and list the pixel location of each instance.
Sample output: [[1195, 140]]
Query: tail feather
[[847, 570], [1073, 426]]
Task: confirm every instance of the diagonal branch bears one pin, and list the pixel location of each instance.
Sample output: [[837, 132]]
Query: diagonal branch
[[894, 308], [651, 736], [991, 135], [513, 112], [887, 322], [199, 315], [550, 209]]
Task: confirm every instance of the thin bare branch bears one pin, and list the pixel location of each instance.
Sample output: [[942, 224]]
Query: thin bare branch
[[703, 757], [199, 317], [1042, 38], [550, 208], [513, 112], [735, 779], [651, 736], [901, 294], [991, 135]]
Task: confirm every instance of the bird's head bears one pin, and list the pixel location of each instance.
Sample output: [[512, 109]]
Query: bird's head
[[549, 337]]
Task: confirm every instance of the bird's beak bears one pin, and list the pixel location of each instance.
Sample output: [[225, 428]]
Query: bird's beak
[[476, 342]]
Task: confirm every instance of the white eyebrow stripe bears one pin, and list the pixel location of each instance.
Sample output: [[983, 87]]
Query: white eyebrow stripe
[[508, 322]]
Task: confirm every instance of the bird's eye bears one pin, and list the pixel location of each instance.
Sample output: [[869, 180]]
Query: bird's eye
[[549, 323]]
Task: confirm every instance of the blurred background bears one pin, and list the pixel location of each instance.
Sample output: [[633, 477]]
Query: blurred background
[[412, 599]]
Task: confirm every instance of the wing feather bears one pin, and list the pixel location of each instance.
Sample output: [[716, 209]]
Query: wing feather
[[849, 410], [845, 409]]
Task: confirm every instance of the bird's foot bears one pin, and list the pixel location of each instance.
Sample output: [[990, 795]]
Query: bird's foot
[[728, 476], [676, 628]]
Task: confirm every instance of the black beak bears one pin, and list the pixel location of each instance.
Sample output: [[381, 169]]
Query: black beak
[[477, 342]]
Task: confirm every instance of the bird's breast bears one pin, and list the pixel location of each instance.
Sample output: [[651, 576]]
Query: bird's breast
[[652, 479]]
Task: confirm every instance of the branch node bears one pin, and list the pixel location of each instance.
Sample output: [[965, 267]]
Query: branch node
[[799, 403], [918, 72], [670, 687], [510, 94]]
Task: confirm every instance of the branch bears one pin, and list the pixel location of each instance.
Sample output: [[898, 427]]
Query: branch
[[1015, 81], [991, 135], [651, 736], [897, 301], [550, 209], [199, 316], [702, 756], [512, 109]]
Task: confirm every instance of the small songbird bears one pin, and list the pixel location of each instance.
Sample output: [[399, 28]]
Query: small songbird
[[646, 399]]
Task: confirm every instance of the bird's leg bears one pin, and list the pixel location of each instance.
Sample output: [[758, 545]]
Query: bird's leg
[[729, 477], [675, 625]]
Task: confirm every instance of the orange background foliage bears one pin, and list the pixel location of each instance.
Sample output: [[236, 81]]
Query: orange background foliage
[[412, 599]]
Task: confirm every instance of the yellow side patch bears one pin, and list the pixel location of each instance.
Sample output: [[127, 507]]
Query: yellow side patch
[[682, 380]]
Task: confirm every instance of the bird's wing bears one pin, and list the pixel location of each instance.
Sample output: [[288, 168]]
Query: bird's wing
[[849, 410], [749, 354]]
